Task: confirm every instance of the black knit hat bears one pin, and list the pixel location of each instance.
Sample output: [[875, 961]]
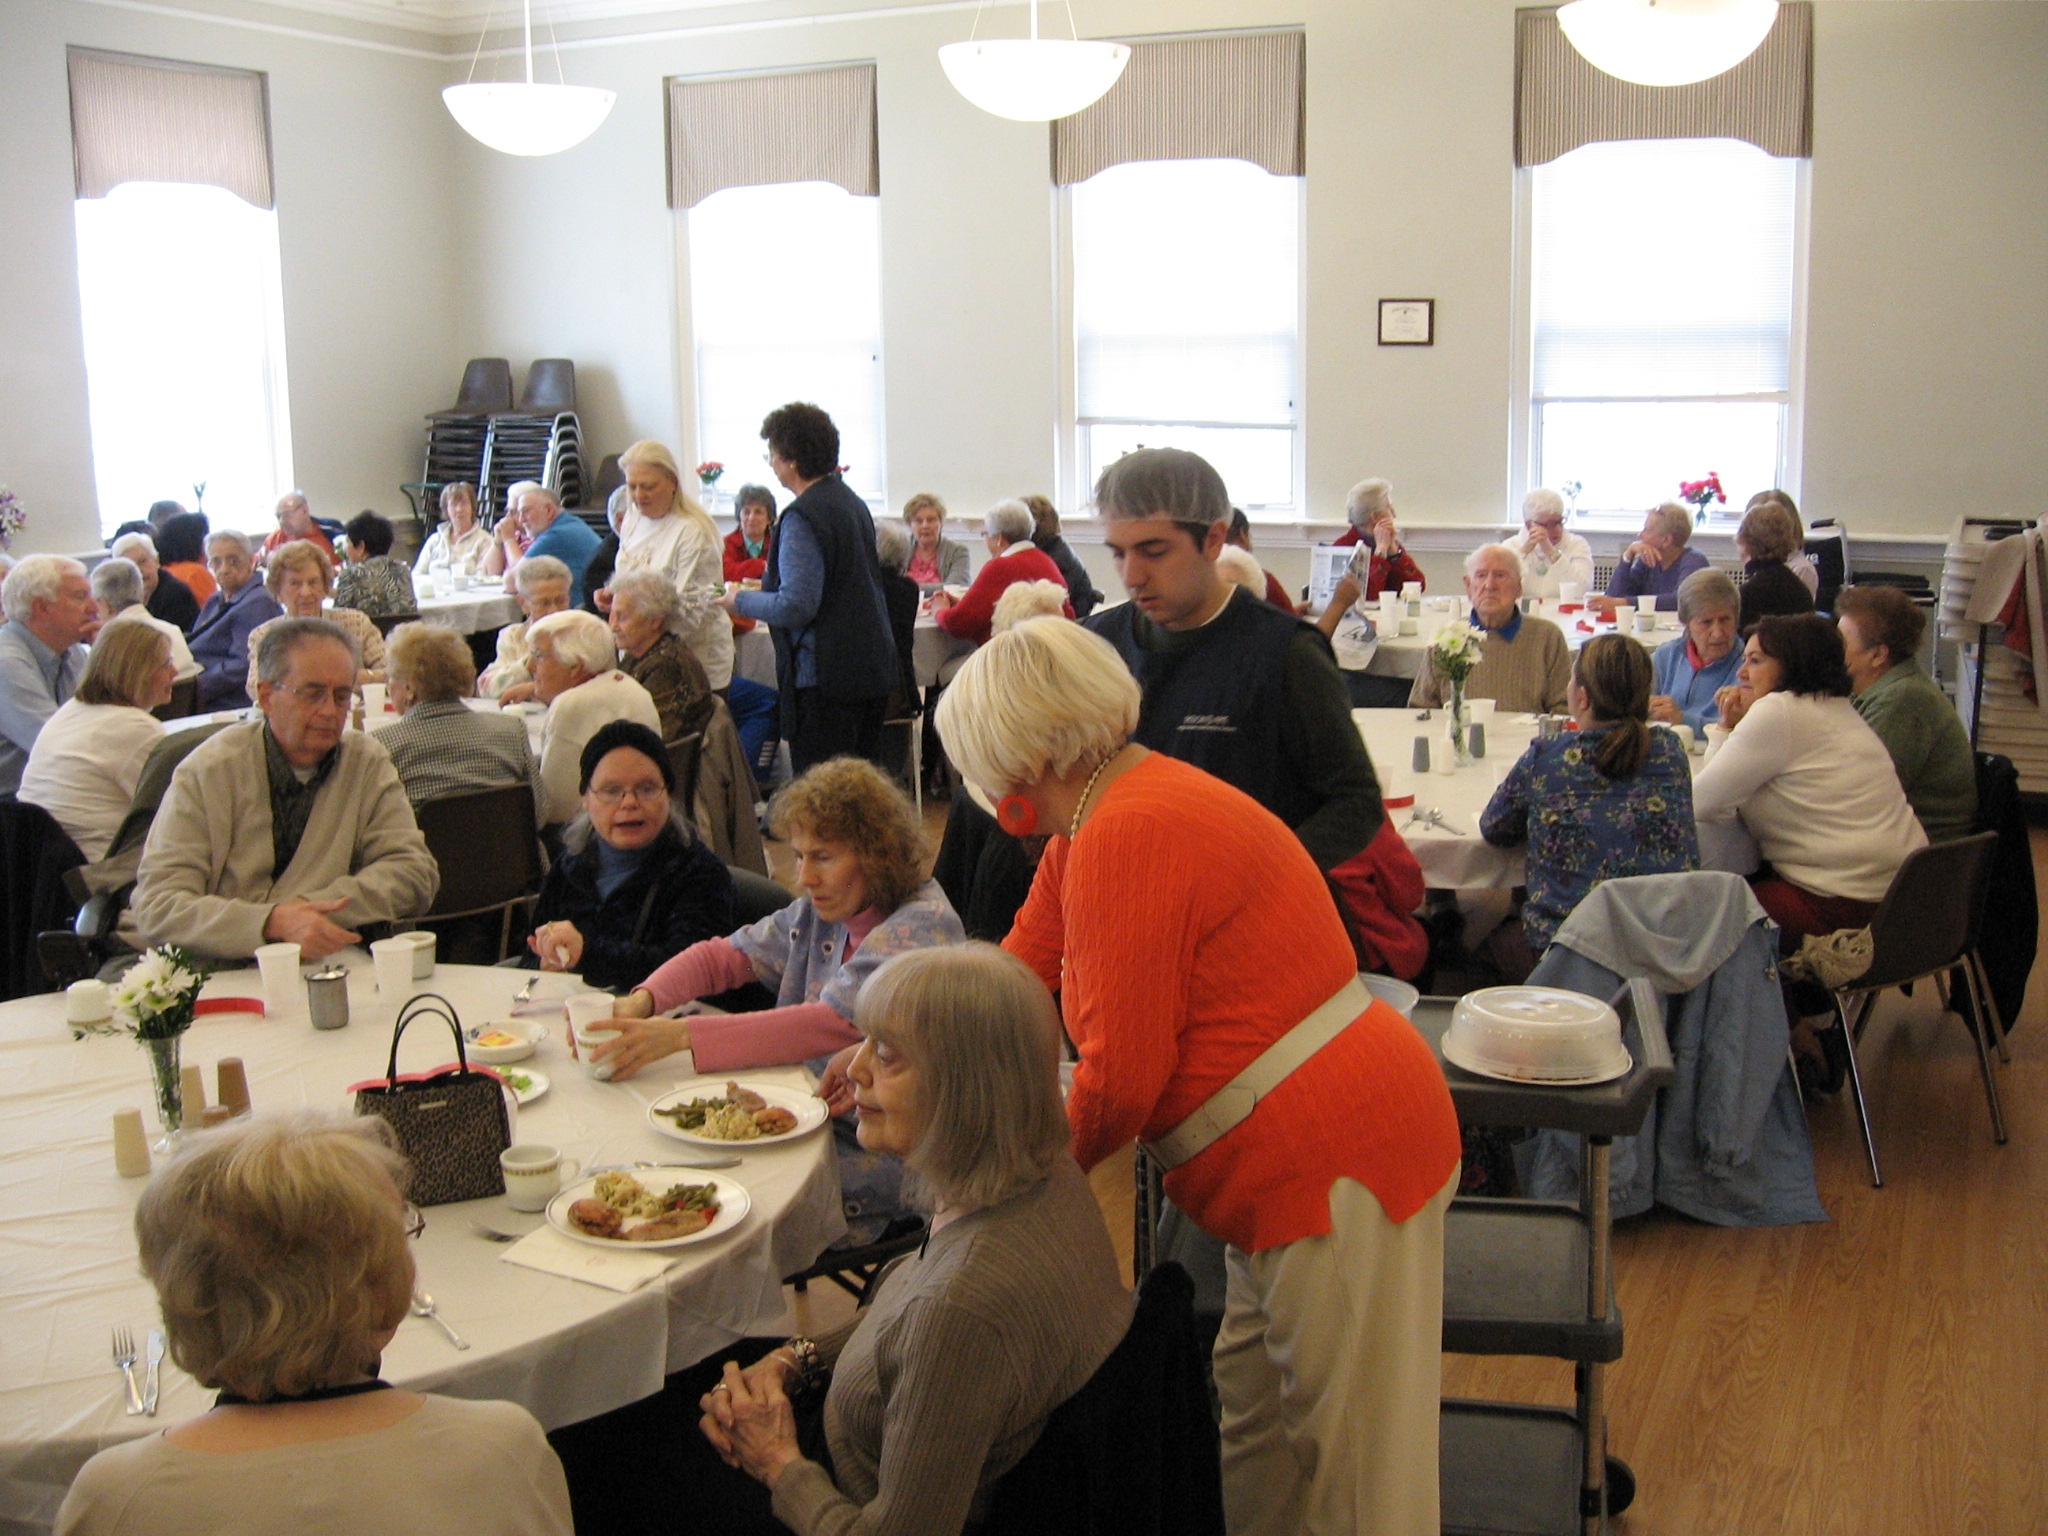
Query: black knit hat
[[626, 733]]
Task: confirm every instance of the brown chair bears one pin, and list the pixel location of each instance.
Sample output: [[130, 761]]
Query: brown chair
[[184, 700], [488, 853], [486, 387], [550, 387], [387, 622]]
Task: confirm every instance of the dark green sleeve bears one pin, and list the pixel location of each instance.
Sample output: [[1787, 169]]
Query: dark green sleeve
[[1325, 755]]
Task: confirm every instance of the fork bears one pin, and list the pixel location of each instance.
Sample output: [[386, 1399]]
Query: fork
[[124, 1357]]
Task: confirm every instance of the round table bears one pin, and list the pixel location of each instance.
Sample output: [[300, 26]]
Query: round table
[[1402, 655], [564, 1349], [469, 612]]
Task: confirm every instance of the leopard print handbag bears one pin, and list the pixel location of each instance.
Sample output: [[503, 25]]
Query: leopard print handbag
[[450, 1124]]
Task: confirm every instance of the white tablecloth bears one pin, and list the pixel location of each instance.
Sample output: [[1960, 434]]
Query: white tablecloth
[[376, 715], [478, 609], [931, 648], [564, 1349], [1401, 655], [753, 656]]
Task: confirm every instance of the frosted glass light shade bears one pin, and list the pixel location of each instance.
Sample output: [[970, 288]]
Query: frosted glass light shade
[[1666, 42], [520, 119], [1033, 80]]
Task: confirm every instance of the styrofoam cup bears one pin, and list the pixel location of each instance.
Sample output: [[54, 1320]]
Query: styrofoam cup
[[393, 961], [279, 966]]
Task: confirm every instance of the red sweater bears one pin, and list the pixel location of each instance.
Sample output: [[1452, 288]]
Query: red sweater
[[739, 566], [1384, 575], [969, 618], [1188, 930]]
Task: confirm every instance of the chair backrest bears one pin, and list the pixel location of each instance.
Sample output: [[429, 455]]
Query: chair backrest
[[609, 478], [755, 896], [550, 387], [486, 386], [1827, 546], [1932, 914], [184, 700], [486, 847], [155, 782], [387, 622], [684, 755], [36, 851]]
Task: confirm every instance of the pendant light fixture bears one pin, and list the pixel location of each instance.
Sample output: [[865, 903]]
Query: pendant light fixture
[[1034, 79], [529, 118], [1666, 42]]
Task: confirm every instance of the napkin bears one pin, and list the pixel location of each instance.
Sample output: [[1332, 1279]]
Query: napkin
[[547, 1250]]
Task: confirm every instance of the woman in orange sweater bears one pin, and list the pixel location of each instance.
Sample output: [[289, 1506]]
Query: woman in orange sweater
[[1214, 997]]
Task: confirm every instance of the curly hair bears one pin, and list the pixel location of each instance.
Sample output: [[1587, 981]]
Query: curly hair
[[300, 554], [848, 800], [803, 435]]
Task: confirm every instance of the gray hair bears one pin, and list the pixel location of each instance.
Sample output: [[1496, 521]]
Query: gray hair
[[1705, 592], [650, 593], [129, 541], [892, 546], [1037, 700], [578, 639], [983, 1034], [1542, 499], [241, 541], [535, 569], [1023, 600], [1672, 519], [1368, 499], [116, 584], [37, 578], [1010, 521], [1504, 551], [282, 637]]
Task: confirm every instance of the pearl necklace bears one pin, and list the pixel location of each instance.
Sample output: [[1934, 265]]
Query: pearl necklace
[[1081, 805]]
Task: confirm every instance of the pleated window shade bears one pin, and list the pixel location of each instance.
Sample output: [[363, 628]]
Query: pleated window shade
[[141, 119], [764, 130], [1236, 97], [1563, 102]]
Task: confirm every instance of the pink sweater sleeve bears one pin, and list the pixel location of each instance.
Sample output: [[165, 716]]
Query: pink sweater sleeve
[[774, 1037], [711, 965]]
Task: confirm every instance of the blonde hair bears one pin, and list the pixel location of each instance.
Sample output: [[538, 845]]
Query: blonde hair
[[919, 502], [122, 662], [1023, 600], [849, 800], [985, 1038], [277, 1251], [433, 662], [1036, 701], [300, 554], [656, 456]]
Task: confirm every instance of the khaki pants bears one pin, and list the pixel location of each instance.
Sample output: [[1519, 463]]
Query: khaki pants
[[1330, 1370]]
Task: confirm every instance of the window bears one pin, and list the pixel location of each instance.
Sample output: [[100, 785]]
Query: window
[[776, 319], [1662, 310], [1186, 314], [184, 348]]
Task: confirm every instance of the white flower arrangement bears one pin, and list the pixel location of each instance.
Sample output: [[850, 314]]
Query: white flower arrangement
[[1456, 650], [157, 994]]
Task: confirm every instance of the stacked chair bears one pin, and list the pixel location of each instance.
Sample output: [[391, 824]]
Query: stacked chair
[[491, 441]]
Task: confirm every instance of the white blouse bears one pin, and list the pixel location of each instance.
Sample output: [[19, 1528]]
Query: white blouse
[[84, 767], [465, 554]]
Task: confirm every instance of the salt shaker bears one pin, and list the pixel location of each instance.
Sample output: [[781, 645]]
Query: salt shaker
[[1475, 739], [1419, 759], [327, 997]]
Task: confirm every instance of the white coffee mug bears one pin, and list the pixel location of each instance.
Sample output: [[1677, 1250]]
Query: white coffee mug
[[1646, 621], [1479, 711], [534, 1175]]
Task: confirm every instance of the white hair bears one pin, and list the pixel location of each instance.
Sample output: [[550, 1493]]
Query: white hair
[[1035, 701], [892, 546], [1241, 567], [1369, 499], [116, 584], [36, 579], [519, 488], [1023, 600], [1010, 521], [240, 540], [1542, 499], [535, 569], [578, 639], [129, 541], [651, 593], [1505, 552]]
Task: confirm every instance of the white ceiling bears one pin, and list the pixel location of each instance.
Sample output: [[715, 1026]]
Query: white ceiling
[[455, 17]]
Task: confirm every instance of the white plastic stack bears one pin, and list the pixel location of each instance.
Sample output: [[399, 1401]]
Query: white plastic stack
[[1986, 559]]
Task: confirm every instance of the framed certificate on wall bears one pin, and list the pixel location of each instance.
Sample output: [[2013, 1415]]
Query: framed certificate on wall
[[1407, 322]]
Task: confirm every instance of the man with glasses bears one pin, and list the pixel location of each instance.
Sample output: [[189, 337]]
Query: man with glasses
[[220, 636], [1551, 556], [288, 829]]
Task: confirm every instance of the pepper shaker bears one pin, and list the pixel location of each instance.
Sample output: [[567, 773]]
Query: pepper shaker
[[327, 997]]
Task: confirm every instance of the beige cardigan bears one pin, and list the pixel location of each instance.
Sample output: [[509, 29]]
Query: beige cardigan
[[206, 878]]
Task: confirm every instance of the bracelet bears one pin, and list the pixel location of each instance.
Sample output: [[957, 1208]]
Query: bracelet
[[803, 1359]]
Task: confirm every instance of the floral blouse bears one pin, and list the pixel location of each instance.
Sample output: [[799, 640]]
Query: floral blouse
[[1583, 828]]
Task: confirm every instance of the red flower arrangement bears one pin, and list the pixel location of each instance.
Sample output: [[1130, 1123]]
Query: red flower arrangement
[[1701, 492], [709, 471]]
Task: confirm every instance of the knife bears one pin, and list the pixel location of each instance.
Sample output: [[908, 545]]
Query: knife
[[156, 1355]]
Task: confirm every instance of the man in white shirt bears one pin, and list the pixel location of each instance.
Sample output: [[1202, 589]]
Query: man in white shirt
[[1550, 555], [49, 612], [117, 589]]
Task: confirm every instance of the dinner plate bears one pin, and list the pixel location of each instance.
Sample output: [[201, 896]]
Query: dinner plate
[[527, 1037], [536, 1083], [808, 1108], [733, 1203], [1456, 1056]]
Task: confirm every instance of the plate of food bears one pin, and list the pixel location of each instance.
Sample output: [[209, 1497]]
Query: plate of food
[[648, 1208], [526, 1083], [496, 1043], [717, 1112]]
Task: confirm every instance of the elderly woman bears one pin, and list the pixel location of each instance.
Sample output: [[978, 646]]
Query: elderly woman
[[859, 850], [645, 612], [1795, 764], [935, 560], [900, 598], [440, 746], [165, 596], [118, 591], [278, 1251], [662, 529], [1381, 565], [88, 756], [746, 547], [942, 1383], [634, 884], [300, 577], [1881, 629], [1764, 540], [576, 674], [1690, 671], [1182, 961], [1653, 568], [1045, 533], [542, 586], [1613, 798], [1551, 554], [1799, 563], [372, 581], [1006, 530], [460, 543]]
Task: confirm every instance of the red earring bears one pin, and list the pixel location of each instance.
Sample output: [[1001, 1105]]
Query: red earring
[[1016, 815]]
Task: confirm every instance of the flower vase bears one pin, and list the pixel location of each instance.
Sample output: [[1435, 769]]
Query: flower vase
[[710, 497], [170, 1098], [1460, 721]]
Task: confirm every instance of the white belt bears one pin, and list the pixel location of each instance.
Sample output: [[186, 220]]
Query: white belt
[[1233, 1103]]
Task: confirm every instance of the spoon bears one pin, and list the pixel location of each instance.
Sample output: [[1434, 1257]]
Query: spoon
[[423, 1306]]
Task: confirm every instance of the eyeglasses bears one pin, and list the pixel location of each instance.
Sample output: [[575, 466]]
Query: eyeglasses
[[415, 1222], [312, 695], [616, 794]]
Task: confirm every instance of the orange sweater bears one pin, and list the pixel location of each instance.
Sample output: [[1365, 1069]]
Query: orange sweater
[[1187, 930]]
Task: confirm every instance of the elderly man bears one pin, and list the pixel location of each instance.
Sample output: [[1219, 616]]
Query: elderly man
[[1550, 556], [1006, 532], [1524, 663], [163, 594], [50, 612], [117, 592], [566, 538], [542, 585], [288, 829], [220, 639], [1654, 566], [576, 674], [295, 521]]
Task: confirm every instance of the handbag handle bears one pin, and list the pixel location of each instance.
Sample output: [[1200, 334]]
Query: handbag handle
[[423, 1006]]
